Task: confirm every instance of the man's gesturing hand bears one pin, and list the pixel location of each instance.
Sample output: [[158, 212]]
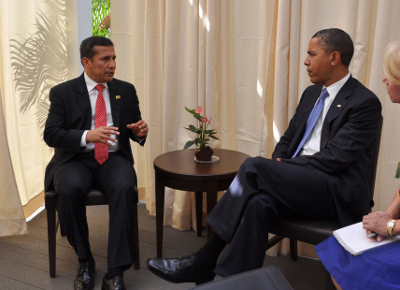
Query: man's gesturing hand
[[102, 135], [140, 128]]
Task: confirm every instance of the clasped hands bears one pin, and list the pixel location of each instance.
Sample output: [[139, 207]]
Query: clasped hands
[[103, 134]]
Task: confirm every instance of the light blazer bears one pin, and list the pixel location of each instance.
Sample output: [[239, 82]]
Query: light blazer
[[347, 142], [70, 115]]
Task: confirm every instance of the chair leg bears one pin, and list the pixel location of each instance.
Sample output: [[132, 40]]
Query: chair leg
[[273, 241], [199, 212], [136, 236], [51, 236], [293, 249]]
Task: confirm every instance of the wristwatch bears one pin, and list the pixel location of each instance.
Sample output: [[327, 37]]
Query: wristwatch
[[389, 228]]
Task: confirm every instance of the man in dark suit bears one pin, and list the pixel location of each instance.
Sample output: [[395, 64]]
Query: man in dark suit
[[319, 169], [90, 122]]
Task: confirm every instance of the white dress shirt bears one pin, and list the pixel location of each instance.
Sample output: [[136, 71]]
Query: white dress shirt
[[313, 142], [93, 93]]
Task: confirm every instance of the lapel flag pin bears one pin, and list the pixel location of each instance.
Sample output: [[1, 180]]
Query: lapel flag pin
[[118, 97], [339, 105]]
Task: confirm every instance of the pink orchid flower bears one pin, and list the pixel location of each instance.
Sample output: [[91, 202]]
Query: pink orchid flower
[[206, 120], [199, 110]]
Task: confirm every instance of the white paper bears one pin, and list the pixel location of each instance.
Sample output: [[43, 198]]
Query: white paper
[[354, 239]]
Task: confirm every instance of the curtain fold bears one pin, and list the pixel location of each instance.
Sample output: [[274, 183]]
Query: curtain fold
[[12, 220], [243, 63], [33, 55]]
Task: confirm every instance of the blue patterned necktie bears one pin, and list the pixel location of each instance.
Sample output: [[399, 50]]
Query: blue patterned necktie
[[312, 119]]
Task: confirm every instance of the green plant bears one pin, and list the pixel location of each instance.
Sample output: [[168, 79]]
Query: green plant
[[101, 18], [202, 134]]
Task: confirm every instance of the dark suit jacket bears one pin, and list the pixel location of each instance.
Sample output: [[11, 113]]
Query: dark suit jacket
[[70, 115], [347, 142]]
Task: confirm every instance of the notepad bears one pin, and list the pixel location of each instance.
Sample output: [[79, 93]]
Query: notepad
[[354, 239]]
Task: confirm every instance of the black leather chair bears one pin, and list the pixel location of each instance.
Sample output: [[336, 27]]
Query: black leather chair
[[265, 278], [95, 197], [311, 231]]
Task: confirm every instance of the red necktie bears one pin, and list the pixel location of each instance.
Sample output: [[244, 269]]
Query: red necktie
[[100, 119]]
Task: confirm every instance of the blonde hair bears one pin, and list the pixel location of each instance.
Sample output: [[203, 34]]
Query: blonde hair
[[391, 63]]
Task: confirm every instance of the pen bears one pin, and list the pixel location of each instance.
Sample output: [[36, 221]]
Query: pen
[[373, 235]]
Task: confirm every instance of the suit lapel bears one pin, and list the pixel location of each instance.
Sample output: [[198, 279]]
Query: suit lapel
[[336, 107], [82, 98], [115, 100]]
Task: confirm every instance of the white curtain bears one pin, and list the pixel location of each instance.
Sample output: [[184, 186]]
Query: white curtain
[[243, 62], [12, 220], [33, 37], [191, 53]]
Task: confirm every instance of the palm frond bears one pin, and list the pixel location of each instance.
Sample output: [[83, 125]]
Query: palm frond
[[40, 61], [100, 11]]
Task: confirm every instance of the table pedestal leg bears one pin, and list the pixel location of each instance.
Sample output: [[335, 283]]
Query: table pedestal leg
[[212, 196], [159, 216], [199, 212]]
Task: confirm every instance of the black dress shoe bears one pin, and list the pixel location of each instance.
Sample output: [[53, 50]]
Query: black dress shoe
[[115, 283], [180, 270], [85, 277]]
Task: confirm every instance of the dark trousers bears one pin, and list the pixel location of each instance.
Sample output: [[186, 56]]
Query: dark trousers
[[262, 191], [116, 178]]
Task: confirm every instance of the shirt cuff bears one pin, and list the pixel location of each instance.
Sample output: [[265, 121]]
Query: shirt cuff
[[83, 139], [139, 139]]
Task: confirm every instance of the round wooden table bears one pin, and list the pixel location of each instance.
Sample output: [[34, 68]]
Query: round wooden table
[[179, 170]]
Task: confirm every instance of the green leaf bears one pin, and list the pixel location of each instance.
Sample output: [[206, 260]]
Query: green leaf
[[201, 142], [214, 137], [188, 144], [198, 117], [193, 128], [190, 111]]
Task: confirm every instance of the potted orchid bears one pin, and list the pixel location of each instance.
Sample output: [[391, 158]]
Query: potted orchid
[[204, 152]]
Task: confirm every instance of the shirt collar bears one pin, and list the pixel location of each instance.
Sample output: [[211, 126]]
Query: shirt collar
[[333, 89], [90, 84]]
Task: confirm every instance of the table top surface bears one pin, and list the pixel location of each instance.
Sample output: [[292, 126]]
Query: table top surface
[[182, 163]]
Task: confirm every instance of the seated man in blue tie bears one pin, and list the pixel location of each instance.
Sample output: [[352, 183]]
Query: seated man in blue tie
[[319, 170]]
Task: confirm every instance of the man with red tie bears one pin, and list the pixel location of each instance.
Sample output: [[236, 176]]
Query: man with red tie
[[90, 122]]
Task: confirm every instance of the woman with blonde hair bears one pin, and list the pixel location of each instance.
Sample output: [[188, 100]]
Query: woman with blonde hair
[[378, 268]]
